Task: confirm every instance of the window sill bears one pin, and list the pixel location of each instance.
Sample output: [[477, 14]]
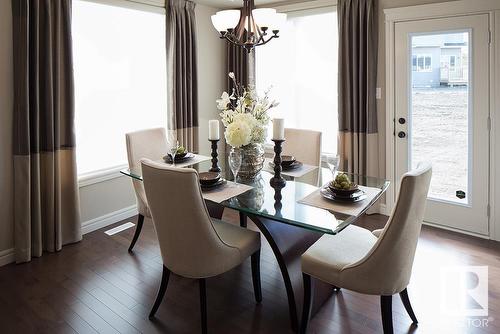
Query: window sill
[[88, 179]]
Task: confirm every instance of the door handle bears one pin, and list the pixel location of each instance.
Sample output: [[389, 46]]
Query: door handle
[[401, 134]]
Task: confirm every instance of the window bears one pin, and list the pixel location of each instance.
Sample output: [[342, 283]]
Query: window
[[422, 63], [120, 80], [453, 60], [301, 66]]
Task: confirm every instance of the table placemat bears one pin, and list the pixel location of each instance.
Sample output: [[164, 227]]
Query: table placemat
[[196, 159], [352, 209], [225, 192], [299, 172]]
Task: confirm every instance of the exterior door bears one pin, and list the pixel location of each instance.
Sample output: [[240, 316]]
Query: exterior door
[[442, 114]]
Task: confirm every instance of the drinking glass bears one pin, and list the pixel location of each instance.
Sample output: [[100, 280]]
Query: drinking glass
[[235, 159], [332, 161], [174, 146]]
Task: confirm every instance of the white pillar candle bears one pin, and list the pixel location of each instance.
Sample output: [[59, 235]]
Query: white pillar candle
[[213, 130], [278, 129]]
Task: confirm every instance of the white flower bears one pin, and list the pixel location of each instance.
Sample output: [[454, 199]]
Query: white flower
[[238, 134], [231, 75], [259, 134], [223, 102]]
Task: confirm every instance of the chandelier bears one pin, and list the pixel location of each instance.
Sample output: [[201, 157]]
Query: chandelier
[[249, 27]]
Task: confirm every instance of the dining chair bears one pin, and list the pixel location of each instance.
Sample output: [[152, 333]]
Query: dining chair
[[192, 244], [357, 260], [151, 144], [304, 145]]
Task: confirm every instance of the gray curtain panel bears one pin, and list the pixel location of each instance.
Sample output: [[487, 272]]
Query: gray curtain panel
[[182, 72], [357, 109], [46, 209]]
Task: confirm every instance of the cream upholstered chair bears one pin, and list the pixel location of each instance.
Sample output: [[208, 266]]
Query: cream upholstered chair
[[151, 144], [357, 260], [192, 244], [304, 145]]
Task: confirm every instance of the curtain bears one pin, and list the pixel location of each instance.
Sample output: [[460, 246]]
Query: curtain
[[241, 63], [182, 72], [46, 209], [357, 110]]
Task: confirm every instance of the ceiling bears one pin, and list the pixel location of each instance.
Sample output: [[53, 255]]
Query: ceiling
[[233, 3]]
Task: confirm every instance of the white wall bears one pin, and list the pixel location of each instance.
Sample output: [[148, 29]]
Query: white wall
[[6, 100], [211, 78], [113, 199]]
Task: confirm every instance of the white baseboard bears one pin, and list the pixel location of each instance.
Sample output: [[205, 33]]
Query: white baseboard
[[383, 209], [6, 257], [108, 219], [377, 208], [452, 229]]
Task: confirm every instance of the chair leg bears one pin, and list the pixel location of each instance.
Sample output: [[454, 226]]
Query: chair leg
[[406, 302], [243, 220], [307, 305], [138, 228], [256, 276], [386, 308], [203, 305], [161, 292]]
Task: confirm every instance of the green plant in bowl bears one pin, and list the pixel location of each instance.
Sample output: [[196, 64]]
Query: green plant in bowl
[[181, 150], [343, 184]]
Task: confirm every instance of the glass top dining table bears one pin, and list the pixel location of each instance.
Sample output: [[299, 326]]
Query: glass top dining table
[[282, 204]]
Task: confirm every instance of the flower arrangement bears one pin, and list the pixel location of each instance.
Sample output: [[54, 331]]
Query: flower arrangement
[[245, 115]]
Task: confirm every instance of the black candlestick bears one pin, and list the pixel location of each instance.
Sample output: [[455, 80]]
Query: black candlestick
[[277, 180], [277, 199], [215, 161]]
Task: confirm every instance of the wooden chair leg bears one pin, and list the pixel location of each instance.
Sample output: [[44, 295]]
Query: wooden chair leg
[[243, 220], [203, 305], [161, 292], [307, 305], [256, 276], [386, 308], [138, 228], [406, 302]]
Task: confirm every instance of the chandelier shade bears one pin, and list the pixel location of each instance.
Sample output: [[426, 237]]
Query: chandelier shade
[[249, 27]]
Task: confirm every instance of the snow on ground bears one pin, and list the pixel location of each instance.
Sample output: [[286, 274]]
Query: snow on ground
[[440, 135]]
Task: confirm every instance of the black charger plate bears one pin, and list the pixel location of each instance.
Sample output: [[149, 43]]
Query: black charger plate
[[215, 185], [357, 196], [293, 166], [186, 157]]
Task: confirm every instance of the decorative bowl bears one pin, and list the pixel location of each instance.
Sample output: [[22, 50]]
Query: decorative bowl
[[209, 178], [343, 192], [287, 160]]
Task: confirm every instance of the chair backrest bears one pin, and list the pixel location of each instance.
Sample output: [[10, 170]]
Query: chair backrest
[[189, 243], [304, 145], [150, 144], [386, 269]]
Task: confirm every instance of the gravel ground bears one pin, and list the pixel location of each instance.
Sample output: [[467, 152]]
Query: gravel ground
[[440, 135]]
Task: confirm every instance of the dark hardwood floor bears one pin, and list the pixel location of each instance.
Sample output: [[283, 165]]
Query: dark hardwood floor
[[97, 286]]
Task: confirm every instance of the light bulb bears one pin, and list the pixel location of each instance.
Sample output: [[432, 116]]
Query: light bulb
[[278, 22], [226, 19], [218, 23], [264, 17]]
